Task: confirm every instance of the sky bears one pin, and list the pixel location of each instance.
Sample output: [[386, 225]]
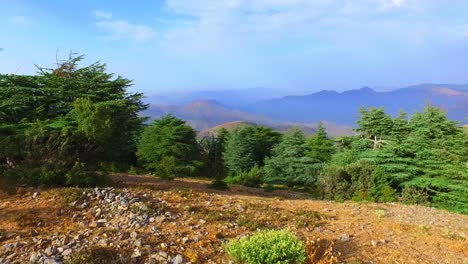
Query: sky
[[294, 46]]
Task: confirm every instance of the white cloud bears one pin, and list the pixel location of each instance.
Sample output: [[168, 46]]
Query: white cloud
[[121, 29], [389, 4], [20, 20], [99, 14]]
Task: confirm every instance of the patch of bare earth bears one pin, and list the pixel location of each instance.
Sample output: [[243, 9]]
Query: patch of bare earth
[[186, 218]]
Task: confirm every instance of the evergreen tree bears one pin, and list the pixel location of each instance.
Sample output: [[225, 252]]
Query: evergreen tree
[[239, 152], [374, 125], [171, 140], [46, 131], [321, 147], [289, 163], [248, 146], [213, 147]]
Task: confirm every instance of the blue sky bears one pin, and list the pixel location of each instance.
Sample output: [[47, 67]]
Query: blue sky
[[294, 46]]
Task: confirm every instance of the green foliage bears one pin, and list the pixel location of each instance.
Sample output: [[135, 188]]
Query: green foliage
[[374, 124], [269, 246], [166, 168], [65, 115], [289, 164], [387, 194], [321, 147], [212, 149], [423, 159], [219, 185], [168, 146], [248, 146], [251, 178], [268, 188], [412, 195], [99, 256]]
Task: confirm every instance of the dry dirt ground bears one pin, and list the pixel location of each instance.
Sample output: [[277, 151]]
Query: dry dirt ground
[[202, 219]]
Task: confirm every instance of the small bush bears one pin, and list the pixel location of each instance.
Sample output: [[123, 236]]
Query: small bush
[[70, 195], [252, 178], [99, 256], [412, 195], [79, 175], [268, 188], [269, 246], [219, 185], [387, 194], [167, 167]]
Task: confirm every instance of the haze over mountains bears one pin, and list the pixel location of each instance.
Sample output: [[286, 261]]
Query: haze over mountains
[[339, 110]]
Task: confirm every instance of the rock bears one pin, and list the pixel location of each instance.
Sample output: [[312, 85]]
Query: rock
[[344, 237], [101, 222], [137, 243], [179, 259], [102, 243], [136, 253], [52, 261], [34, 257], [66, 252], [51, 251], [124, 203], [160, 219]]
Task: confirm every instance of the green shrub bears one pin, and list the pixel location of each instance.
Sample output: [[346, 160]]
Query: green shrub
[[219, 185], [99, 256], [53, 174], [413, 195], [268, 188], [79, 175], [387, 194], [252, 178], [362, 196], [166, 169], [269, 246]]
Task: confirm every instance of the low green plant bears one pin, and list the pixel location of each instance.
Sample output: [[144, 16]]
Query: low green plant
[[70, 195], [387, 194], [268, 246], [250, 224], [268, 188], [219, 185], [412, 195], [251, 178], [99, 256]]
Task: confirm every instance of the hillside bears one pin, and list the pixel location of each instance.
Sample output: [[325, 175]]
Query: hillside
[[209, 115], [147, 220], [203, 114]]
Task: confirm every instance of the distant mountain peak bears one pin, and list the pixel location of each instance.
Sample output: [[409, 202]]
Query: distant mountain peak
[[367, 89], [448, 92]]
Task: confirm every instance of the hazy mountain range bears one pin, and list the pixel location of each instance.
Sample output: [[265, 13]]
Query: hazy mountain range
[[339, 110]]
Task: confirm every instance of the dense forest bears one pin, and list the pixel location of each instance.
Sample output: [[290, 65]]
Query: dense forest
[[72, 125]]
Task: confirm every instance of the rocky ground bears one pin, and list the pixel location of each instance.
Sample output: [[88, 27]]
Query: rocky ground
[[146, 220]]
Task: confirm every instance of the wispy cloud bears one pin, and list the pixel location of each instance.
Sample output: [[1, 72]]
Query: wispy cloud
[[99, 14], [388, 4], [120, 28], [20, 20]]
